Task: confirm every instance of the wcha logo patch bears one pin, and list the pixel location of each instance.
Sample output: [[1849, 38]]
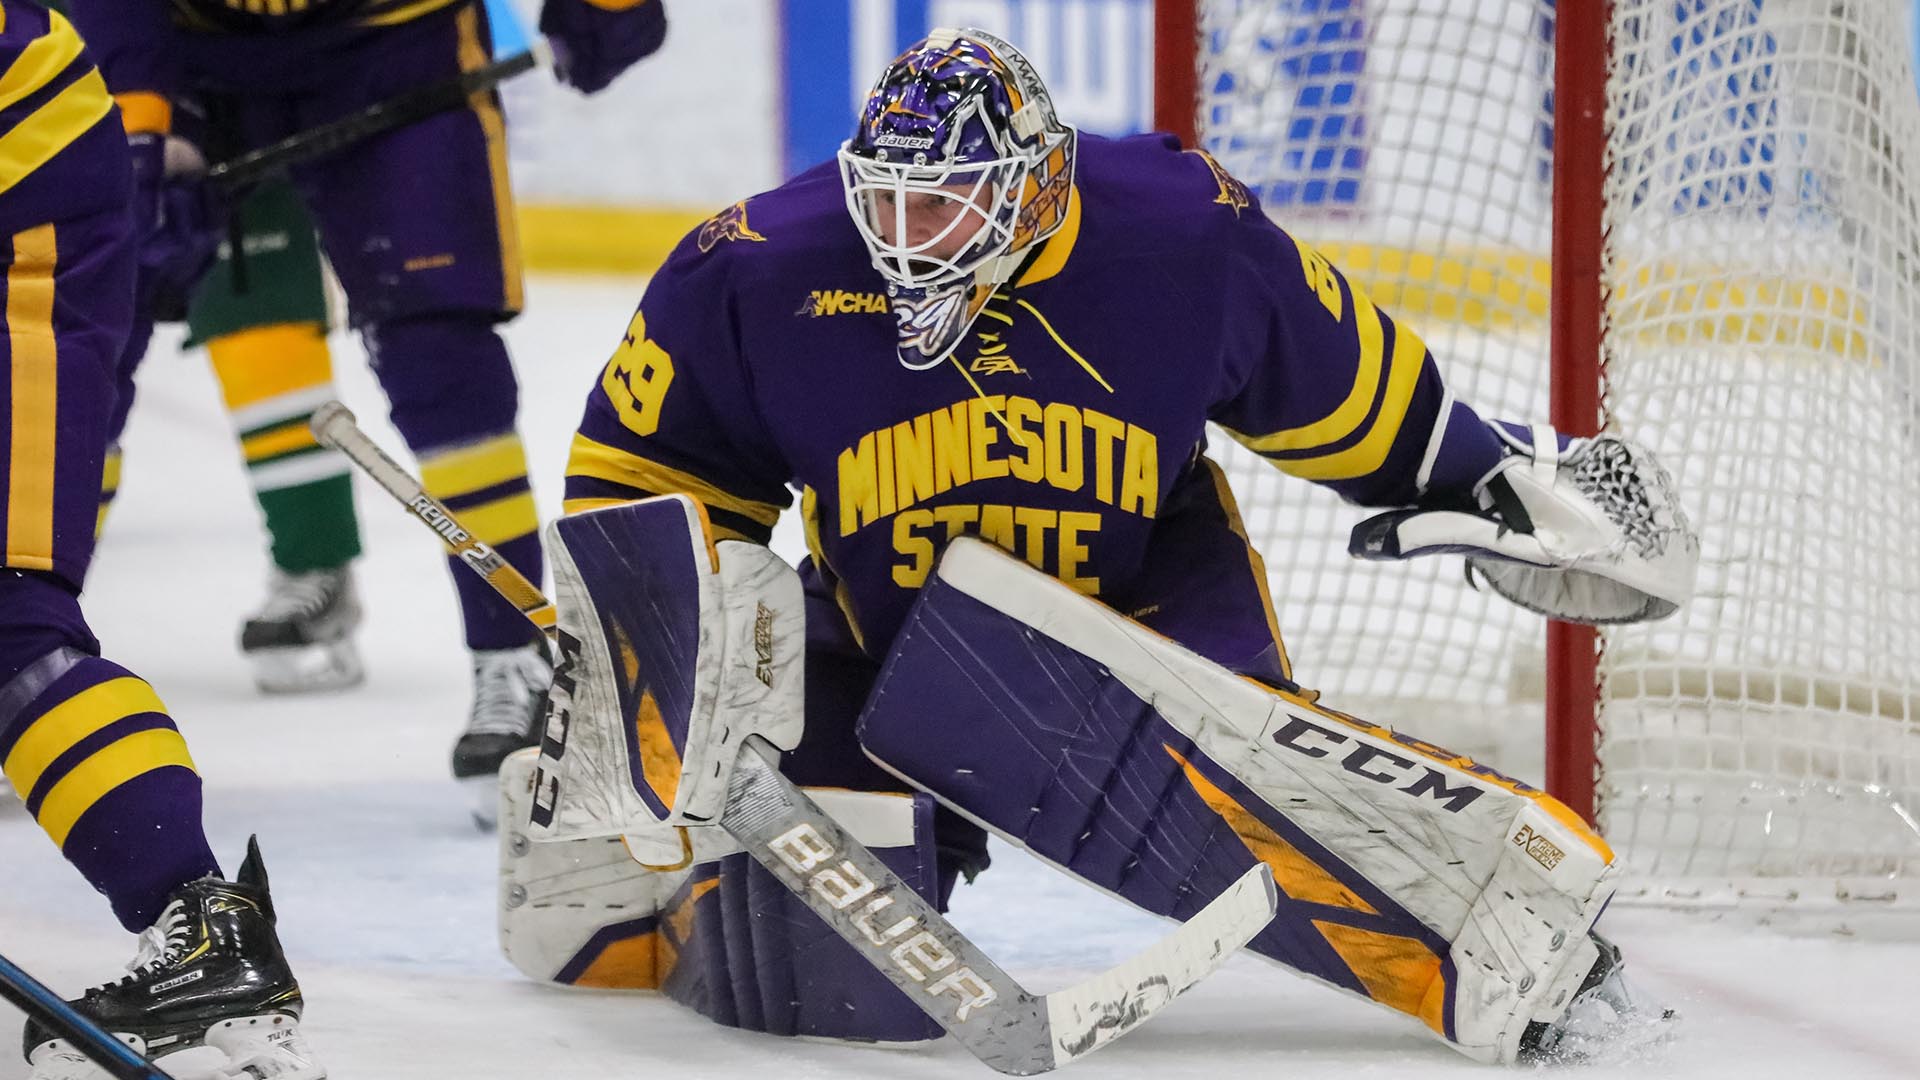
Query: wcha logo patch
[[823, 302]]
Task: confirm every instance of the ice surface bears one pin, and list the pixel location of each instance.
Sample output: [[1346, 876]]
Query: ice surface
[[386, 893]]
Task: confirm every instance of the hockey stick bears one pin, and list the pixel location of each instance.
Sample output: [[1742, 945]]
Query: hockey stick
[[998, 1021], [123, 1062], [397, 111]]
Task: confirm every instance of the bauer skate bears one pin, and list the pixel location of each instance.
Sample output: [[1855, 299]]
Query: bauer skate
[[209, 980], [1606, 1019], [509, 704], [301, 639]]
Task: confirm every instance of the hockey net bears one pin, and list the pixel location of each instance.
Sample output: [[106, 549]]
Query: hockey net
[[1744, 304]]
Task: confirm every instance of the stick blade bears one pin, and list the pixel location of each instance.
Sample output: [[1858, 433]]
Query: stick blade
[[1087, 1016]]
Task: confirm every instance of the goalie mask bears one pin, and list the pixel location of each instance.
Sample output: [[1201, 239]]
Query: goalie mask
[[958, 168]]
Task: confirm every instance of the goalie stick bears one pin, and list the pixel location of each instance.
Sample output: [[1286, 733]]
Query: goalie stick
[[997, 1020], [120, 1061]]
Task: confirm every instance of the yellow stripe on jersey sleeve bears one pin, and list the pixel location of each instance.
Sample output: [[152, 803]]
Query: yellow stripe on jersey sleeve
[[1363, 457], [598, 461], [581, 506], [1350, 413], [398, 11], [44, 58], [52, 127]]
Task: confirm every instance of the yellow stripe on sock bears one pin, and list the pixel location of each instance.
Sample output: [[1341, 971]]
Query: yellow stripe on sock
[[115, 764], [501, 520], [64, 725], [266, 362], [453, 473], [277, 441]]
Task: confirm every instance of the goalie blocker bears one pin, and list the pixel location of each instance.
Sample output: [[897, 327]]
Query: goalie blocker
[[1410, 876]]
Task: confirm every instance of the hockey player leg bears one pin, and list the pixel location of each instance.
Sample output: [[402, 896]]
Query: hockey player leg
[[301, 638], [720, 936], [1412, 877], [209, 973], [106, 774], [268, 347]]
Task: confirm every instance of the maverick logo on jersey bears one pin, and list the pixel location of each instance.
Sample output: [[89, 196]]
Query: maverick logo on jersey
[[728, 224], [1233, 193], [823, 302]]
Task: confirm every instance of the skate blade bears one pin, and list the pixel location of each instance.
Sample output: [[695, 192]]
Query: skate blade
[[307, 669], [484, 792], [61, 1060], [265, 1047]]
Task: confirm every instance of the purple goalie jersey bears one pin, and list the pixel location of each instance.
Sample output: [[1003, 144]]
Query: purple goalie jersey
[[1072, 415]]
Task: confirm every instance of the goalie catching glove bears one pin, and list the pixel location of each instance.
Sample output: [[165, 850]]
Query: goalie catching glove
[[1590, 532]]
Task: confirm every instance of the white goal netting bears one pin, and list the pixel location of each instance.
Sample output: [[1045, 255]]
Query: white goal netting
[[1760, 336]]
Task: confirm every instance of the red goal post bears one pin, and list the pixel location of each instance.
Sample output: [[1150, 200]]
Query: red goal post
[[1699, 210]]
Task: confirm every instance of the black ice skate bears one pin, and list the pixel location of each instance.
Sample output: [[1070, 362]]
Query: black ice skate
[[509, 705], [301, 639], [209, 974], [1606, 1018]]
